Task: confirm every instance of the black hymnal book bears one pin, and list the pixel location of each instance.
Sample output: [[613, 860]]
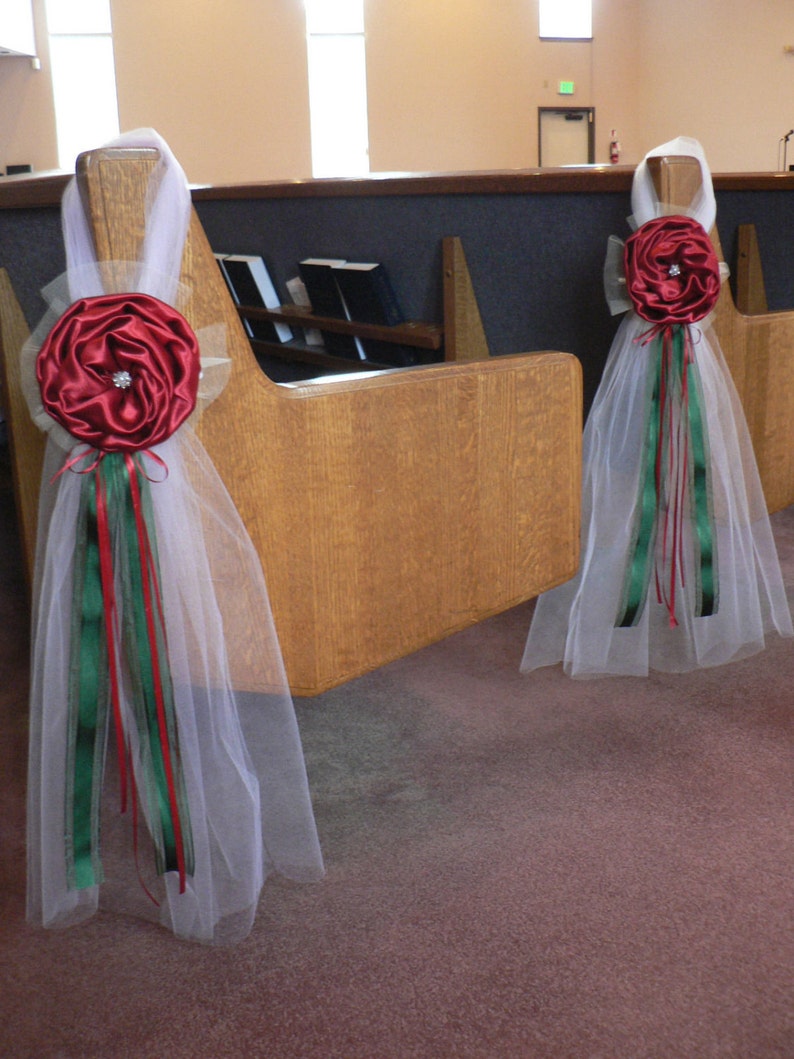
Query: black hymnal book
[[318, 276], [368, 293], [369, 298], [249, 281]]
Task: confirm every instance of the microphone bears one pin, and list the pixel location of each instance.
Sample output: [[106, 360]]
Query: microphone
[[788, 135]]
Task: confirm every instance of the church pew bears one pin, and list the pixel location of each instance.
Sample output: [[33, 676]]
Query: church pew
[[388, 510]]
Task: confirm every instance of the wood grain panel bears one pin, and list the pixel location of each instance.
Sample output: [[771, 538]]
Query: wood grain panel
[[26, 442]]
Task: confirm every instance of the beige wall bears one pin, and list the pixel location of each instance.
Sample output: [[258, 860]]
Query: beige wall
[[27, 120], [453, 84], [456, 84], [738, 97], [224, 83]]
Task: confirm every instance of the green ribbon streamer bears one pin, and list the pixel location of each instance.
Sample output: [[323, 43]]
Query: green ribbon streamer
[[89, 683], [646, 522], [88, 700], [638, 576], [702, 501]]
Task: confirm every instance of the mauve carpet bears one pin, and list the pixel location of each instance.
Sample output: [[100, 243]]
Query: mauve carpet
[[518, 866]]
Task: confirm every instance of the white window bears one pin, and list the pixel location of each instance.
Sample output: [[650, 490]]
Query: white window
[[566, 19], [83, 76], [337, 87]]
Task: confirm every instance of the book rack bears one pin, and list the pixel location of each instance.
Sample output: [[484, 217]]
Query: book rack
[[459, 338], [423, 336]]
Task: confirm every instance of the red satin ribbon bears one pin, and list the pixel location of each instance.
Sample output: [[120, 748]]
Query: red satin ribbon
[[151, 599], [111, 624]]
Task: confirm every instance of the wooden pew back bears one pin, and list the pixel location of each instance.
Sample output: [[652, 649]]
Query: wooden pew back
[[759, 350]]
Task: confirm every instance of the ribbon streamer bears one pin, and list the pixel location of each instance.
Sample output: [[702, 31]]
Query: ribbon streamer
[[675, 485], [117, 583]]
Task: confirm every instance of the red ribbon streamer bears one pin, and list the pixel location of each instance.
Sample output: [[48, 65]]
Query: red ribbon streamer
[[149, 579], [676, 463]]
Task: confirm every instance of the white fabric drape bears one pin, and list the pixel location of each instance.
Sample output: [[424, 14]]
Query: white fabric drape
[[576, 623], [247, 791]]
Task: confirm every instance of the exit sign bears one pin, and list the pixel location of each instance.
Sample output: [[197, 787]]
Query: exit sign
[[566, 88]]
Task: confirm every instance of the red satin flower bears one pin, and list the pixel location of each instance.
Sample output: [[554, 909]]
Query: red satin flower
[[672, 272], [119, 371]]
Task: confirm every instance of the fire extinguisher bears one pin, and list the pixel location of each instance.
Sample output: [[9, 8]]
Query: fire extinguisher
[[614, 148]]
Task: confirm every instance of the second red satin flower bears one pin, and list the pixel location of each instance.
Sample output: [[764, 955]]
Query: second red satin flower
[[672, 271]]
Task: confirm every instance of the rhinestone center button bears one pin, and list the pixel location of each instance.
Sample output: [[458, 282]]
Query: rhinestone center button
[[122, 379]]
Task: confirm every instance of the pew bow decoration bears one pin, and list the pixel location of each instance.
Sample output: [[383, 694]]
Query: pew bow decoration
[[679, 569], [120, 372], [672, 282], [152, 628]]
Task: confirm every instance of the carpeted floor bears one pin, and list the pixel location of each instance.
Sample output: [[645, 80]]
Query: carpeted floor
[[518, 866]]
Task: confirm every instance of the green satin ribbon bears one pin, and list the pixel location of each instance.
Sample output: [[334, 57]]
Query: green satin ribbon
[[666, 378], [88, 700], [705, 542], [127, 500], [638, 575]]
